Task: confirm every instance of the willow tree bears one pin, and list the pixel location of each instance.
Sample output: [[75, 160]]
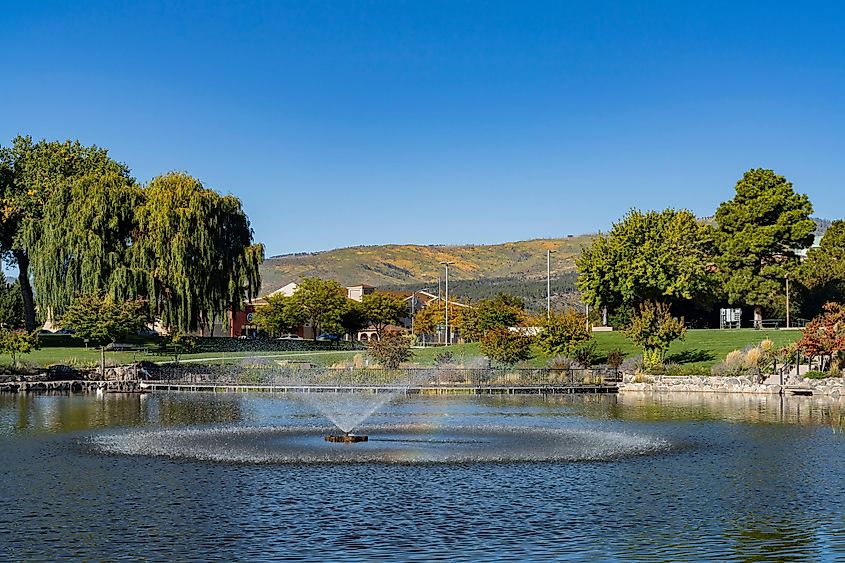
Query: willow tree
[[194, 250], [83, 239], [30, 174]]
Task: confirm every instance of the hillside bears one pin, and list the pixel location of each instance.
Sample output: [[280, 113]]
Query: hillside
[[396, 265]]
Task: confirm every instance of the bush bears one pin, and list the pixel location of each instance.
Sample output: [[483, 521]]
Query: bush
[[391, 350], [506, 346], [750, 361], [615, 358], [653, 328], [563, 333], [443, 358], [815, 374], [585, 352]]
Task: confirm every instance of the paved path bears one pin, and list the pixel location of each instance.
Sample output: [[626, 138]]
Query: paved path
[[262, 356]]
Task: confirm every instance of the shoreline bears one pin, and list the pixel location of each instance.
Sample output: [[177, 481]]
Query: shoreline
[[832, 387]]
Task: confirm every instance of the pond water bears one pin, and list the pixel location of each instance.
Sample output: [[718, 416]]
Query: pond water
[[249, 477]]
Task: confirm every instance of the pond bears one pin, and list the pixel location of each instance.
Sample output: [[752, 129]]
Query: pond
[[249, 477]]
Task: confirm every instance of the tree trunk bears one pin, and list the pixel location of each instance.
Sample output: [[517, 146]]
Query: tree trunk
[[22, 259]]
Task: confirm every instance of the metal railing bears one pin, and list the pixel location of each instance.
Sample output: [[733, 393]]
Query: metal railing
[[208, 374]]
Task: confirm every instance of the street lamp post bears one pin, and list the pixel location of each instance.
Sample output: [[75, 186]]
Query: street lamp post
[[447, 299], [787, 301], [549, 283]]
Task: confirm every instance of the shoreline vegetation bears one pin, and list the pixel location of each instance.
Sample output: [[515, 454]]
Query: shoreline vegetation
[[698, 352]]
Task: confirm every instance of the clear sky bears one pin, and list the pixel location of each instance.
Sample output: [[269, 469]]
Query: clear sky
[[342, 123]]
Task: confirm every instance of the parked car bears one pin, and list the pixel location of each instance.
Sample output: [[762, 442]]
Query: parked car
[[328, 337], [290, 337]]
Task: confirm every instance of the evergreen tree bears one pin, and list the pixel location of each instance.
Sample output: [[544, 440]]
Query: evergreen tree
[[759, 232]]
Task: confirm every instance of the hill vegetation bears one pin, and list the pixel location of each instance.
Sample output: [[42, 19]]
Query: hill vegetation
[[417, 266]]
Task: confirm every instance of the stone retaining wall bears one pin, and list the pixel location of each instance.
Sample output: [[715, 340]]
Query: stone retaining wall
[[72, 386], [835, 387]]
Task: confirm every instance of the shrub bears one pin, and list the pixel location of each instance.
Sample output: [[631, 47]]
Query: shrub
[[391, 350], [815, 374], [563, 333], [585, 352], [653, 328], [632, 365], [751, 360], [443, 358], [506, 346], [615, 358]]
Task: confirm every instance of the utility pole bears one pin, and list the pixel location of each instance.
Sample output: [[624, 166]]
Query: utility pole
[[787, 301], [447, 299], [548, 284]]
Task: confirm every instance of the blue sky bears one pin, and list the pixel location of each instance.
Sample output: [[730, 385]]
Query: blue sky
[[343, 123]]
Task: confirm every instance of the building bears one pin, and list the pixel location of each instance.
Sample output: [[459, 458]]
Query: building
[[241, 321]]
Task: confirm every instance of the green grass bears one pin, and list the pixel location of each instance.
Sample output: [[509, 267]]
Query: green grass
[[701, 349]]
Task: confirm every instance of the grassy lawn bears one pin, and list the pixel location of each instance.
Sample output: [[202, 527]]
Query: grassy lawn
[[700, 349]]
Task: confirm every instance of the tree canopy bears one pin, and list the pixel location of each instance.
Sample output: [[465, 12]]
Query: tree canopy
[[30, 175], [279, 316], [505, 346], [322, 302], [101, 320], [194, 249], [823, 272], [77, 223], [563, 333], [502, 311], [382, 309], [759, 232], [654, 255]]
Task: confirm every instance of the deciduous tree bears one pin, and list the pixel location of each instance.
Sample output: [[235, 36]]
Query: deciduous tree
[[390, 350], [654, 255], [16, 342], [195, 250], [30, 174], [563, 333], [279, 316], [101, 320], [824, 336], [383, 309], [353, 319], [506, 346], [322, 302], [502, 311]]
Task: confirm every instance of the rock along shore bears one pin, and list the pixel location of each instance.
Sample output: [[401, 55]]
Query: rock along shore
[[834, 386], [70, 386]]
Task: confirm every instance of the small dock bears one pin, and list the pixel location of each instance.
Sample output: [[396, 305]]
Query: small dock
[[798, 390], [455, 389]]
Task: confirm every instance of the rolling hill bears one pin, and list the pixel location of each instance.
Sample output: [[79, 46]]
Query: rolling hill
[[399, 266]]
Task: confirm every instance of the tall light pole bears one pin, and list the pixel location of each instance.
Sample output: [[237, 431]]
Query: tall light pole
[[787, 301], [447, 299], [549, 283]]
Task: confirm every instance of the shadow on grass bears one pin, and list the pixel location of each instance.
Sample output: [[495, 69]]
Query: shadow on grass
[[691, 356]]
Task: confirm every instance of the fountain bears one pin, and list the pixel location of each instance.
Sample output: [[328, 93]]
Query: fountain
[[348, 399]]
